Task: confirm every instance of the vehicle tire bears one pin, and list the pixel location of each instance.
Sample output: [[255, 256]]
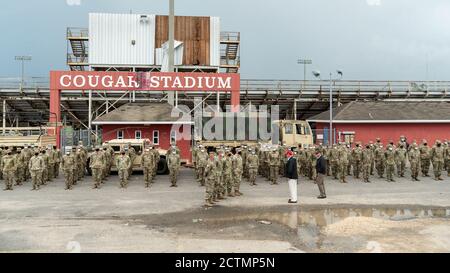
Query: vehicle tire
[[162, 166]]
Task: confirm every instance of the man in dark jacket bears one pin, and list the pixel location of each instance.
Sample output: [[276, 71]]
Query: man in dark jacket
[[292, 175], [321, 169]]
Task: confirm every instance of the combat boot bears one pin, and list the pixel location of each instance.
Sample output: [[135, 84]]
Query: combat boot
[[238, 193], [208, 203]]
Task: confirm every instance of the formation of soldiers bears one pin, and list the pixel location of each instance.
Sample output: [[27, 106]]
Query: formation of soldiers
[[363, 161], [39, 165], [220, 172]]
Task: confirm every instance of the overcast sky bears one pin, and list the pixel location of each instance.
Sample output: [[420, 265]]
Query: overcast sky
[[367, 39]]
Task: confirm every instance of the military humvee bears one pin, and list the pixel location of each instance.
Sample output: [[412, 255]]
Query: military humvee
[[139, 146]]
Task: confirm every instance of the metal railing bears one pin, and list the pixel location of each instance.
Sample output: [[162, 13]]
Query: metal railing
[[77, 32], [230, 36], [73, 59]]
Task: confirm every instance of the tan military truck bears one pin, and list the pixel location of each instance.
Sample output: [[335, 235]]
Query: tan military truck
[[15, 137], [291, 133], [139, 146]]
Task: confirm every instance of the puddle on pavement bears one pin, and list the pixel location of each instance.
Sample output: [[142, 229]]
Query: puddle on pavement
[[302, 226]]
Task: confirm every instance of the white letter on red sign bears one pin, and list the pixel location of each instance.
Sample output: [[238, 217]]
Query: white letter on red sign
[[225, 84], [132, 82], [61, 81], [120, 82], [177, 83], [107, 84], [91, 82], [77, 82], [166, 81], [154, 82], [190, 82]]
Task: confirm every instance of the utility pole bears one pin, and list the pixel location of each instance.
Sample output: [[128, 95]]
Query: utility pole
[[170, 94]]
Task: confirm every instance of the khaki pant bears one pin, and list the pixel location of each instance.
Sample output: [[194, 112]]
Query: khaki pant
[[123, 177], [252, 172], [173, 175], [36, 178], [9, 178], [319, 181], [273, 175], [425, 164], [437, 168], [97, 176], [414, 169], [237, 180], [68, 176], [51, 171], [148, 178], [209, 184]]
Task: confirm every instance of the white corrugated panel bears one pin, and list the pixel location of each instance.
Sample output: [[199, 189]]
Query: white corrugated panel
[[111, 39], [178, 55], [158, 56], [214, 32]]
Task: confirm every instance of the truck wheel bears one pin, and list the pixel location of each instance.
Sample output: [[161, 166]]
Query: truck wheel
[[162, 166]]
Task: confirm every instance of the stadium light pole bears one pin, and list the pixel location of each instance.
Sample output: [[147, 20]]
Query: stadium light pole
[[340, 75], [22, 59], [304, 62]]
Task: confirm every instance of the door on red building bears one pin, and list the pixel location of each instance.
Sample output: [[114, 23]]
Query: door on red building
[[348, 137]]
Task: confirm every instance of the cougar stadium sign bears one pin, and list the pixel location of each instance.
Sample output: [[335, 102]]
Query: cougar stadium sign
[[74, 80]]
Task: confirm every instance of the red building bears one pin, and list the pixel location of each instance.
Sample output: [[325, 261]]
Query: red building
[[155, 121], [365, 121]]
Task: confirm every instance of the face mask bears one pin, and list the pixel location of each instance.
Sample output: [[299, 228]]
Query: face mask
[[425, 144], [439, 145]]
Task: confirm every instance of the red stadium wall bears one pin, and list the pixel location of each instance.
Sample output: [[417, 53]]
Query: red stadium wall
[[412, 131], [110, 132]]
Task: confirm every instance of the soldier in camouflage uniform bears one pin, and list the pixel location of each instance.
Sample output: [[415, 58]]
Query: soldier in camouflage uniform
[[380, 161], [400, 159], [244, 153], [425, 157], [28, 154], [123, 163], [218, 183], [210, 179], [106, 164], [75, 165], [173, 161], [342, 162], [333, 158], [131, 152], [447, 157], [390, 163], [156, 158], [281, 157], [350, 160], [202, 159], [437, 157], [147, 164], [20, 167], [372, 164], [367, 158], [357, 160], [252, 164], [227, 177], [67, 163], [44, 157], [9, 170], [237, 174], [36, 166], [414, 161], [273, 163], [194, 151], [96, 162], [312, 164], [51, 164], [57, 159], [83, 155]]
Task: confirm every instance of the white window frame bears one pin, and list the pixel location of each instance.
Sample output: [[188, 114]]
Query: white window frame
[[173, 137], [140, 134], [120, 132], [157, 137]]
